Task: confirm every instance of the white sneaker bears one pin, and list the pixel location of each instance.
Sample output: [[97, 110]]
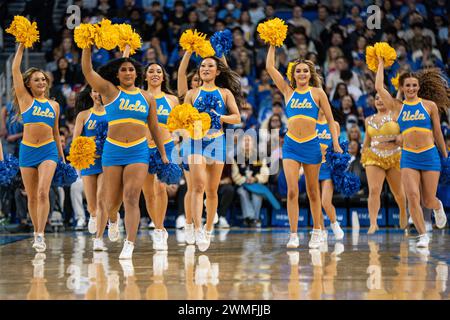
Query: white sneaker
[[99, 245], [160, 263], [189, 233], [180, 222], [127, 268], [151, 225], [294, 257], [423, 240], [39, 243], [202, 239], [189, 255], [80, 225], [113, 230], [337, 230], [160, 237], [338, 248], [324, 235], [216, 218], [316, 258], [440, 217], [293, 241], [127, 250], [223, 223], [92, 225], [316, 239]]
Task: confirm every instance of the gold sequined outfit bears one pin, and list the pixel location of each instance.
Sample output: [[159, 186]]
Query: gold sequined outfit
[[376, 155]]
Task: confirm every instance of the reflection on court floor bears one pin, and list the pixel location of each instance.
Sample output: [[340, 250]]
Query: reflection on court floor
[[240, 264]]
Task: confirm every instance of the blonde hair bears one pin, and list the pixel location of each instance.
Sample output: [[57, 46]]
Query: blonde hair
[[26, 76], [316, 79]]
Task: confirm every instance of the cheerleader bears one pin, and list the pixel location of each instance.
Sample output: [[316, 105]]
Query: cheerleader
[[155, 193], [304, 98], [91, 112], [418, 119], [381, 159], [326, 184], [184, 83], [207, 157], [125, 153], [41, 144]]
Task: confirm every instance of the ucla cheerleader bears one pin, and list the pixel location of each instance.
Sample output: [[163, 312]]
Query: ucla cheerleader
[[206, 161], [40, 146], [304, 98], [326, 184], [381, 159], [91, 112], [418, 119], [184, 82], [125, 153], [155, 193]]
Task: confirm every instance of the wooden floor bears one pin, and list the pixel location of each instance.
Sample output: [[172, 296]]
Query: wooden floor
[[240, 264]]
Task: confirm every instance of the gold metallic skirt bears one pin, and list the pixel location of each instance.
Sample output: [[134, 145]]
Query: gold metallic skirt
[[370, 158]]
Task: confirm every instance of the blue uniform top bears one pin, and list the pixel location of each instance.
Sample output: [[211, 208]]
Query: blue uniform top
[[91, 122], [221, 108], [163, 109], [414, 116], [127, 107], [324, 135], [40, 112], [302, 105]]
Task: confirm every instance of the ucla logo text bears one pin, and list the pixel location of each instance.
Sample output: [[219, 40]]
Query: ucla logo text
[[305, 104], [91, 124], [324, 134], [161, 111], [126, 105], [37, 111], [407, 116]]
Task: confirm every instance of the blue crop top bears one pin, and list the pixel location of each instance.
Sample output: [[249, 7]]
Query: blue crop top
[[91, 122], [40, 112], [324, 135], [414, 116], [127, 107], [302, 105], [221, 108], [163, 109]]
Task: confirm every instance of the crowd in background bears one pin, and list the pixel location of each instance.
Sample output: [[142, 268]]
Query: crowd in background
[[331, 33]]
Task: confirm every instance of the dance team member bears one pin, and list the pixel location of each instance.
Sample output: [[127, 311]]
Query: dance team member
[[206, 162], [41, 144], [90, 112], [125, 154], [381, 159], [418, 118], [304, 98]]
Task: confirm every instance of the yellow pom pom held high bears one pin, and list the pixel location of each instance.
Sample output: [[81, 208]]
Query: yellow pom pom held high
[[24, 31], [273, 32]]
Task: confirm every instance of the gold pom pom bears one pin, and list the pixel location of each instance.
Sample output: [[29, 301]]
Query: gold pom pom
[[394, 81], [289, 71], [84, 35], [380, 50], [273, 32], [205, 50], [193, 41], [126, 35], [185, 116], [106, 35], [82, 153], [24, 31]]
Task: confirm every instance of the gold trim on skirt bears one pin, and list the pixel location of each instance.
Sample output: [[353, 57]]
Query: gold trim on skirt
[[369, 158]]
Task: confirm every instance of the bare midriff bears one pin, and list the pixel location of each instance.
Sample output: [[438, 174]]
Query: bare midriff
[[37, 133], [417, 140], [165, 135], [302, 128], [127, 132]]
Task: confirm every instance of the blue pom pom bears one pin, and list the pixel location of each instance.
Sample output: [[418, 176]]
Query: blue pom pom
[[65, 175], [155, 163], [338, 162], [9, 168], [222, 42], [444, 178], [170, 173], [208, 104], [346, 183], [101, 132]]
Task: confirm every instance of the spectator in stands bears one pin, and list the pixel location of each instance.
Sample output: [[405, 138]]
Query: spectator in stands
[[330, 61], [354, 134], [335, 77], [323, 22], [249, 172], [355, 166], [226, 196], [339, 93], [64, 73], [297, 20], [247, 27]]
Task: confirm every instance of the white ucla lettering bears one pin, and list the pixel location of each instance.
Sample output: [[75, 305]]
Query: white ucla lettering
[[91, 124], [407, 116], [323, 135], [37, 111], [162, 112], [126, 105], [305, 104]]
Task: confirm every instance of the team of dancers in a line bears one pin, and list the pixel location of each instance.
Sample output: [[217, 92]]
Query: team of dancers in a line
[[402, 144]]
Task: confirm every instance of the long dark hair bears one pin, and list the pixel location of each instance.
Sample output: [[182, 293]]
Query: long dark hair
[[165, 85], [433, 86], [110, 70], [230, 80], [84, 100]]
